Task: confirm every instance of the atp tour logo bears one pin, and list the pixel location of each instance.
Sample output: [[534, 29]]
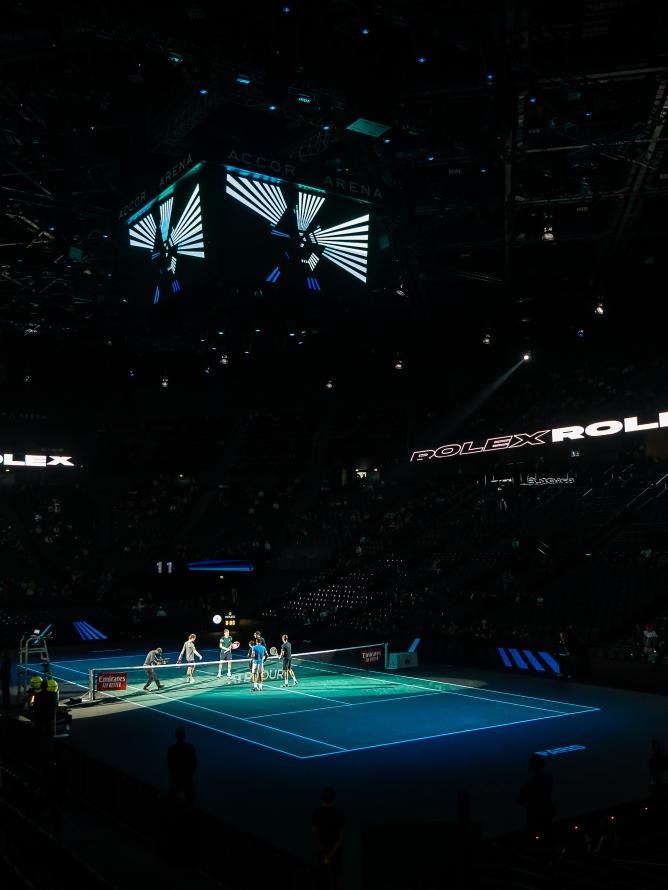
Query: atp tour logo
[[346, 245], [166, 242], [561, 434]]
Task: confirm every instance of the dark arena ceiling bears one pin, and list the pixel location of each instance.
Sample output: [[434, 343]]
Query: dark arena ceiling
[[523, 170]]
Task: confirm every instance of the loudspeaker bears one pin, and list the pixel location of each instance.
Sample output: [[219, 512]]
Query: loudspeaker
[[401, 660]]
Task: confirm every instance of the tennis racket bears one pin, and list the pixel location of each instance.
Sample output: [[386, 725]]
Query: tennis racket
[[273, 651], [235, 644]]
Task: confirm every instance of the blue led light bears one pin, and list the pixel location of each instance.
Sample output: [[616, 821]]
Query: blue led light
[[430, 157], [272, 107], [532, 100], [203, 91], [286, 9], [305, 99], [587, 113], [364, 32], [489, 76], [387, 140], [326, 127], [243, 78], [519, 661], [504, 657], [483, 169], [421, 60], [533, 661]]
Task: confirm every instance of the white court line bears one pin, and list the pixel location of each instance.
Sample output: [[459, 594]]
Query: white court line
[[583, 708], [180, 701], [425, 689], [441, 735], [356, 704]]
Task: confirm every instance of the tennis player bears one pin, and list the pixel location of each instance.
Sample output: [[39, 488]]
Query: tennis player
[[257, 669], [154, 657], [286, 655], [225, 653], [189, 651]]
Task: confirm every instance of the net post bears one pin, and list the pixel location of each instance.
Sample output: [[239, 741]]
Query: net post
[[91, 684], [386, 647]]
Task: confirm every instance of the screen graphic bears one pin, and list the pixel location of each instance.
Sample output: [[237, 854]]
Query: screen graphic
[[295, 235], [169, 234]]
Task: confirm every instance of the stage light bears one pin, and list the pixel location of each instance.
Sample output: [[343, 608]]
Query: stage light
[[243, 79], [224, 360], [326, 127], [532, 100], [526, 357], [131, 375], [217, 619], [286, 9], [203, 91], [364, 32], [421, 60], [483, 169], [164, 383], [587, 113], [387, 140], [292, 334], [430, 157], [489, 77], [580, 333], [329, 385], [207, 371], [272, 107], [487, 339], [600, 309], [399, 365]]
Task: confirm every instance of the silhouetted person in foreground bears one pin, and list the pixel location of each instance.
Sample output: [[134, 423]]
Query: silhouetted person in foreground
[[182, 763], [5, 679], [536, 796], [328, 822], [658, 768]]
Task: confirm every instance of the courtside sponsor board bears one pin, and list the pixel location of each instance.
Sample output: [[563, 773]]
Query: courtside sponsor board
[[112, 681], [372, 656], [544, 437]]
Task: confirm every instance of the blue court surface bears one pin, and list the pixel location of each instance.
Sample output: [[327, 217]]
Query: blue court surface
[[394, 747], [336, 709]]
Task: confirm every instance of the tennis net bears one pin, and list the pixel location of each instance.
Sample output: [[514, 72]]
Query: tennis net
[[130, 680]]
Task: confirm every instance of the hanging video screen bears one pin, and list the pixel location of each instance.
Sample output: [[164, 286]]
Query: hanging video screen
[[279, 235], [170, 241], [222, 225]]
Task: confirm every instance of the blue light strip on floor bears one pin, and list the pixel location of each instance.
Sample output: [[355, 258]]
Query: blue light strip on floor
[[97, 634], [534, 661], [81, 630], [504, 658], [519, 661], [547, 658]]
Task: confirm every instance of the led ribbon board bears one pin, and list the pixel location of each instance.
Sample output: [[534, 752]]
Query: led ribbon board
[[544, 437], [309, 230], [36, 460], [167, 236]]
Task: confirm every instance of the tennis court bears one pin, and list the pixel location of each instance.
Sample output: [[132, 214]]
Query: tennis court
[[337, 708]]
